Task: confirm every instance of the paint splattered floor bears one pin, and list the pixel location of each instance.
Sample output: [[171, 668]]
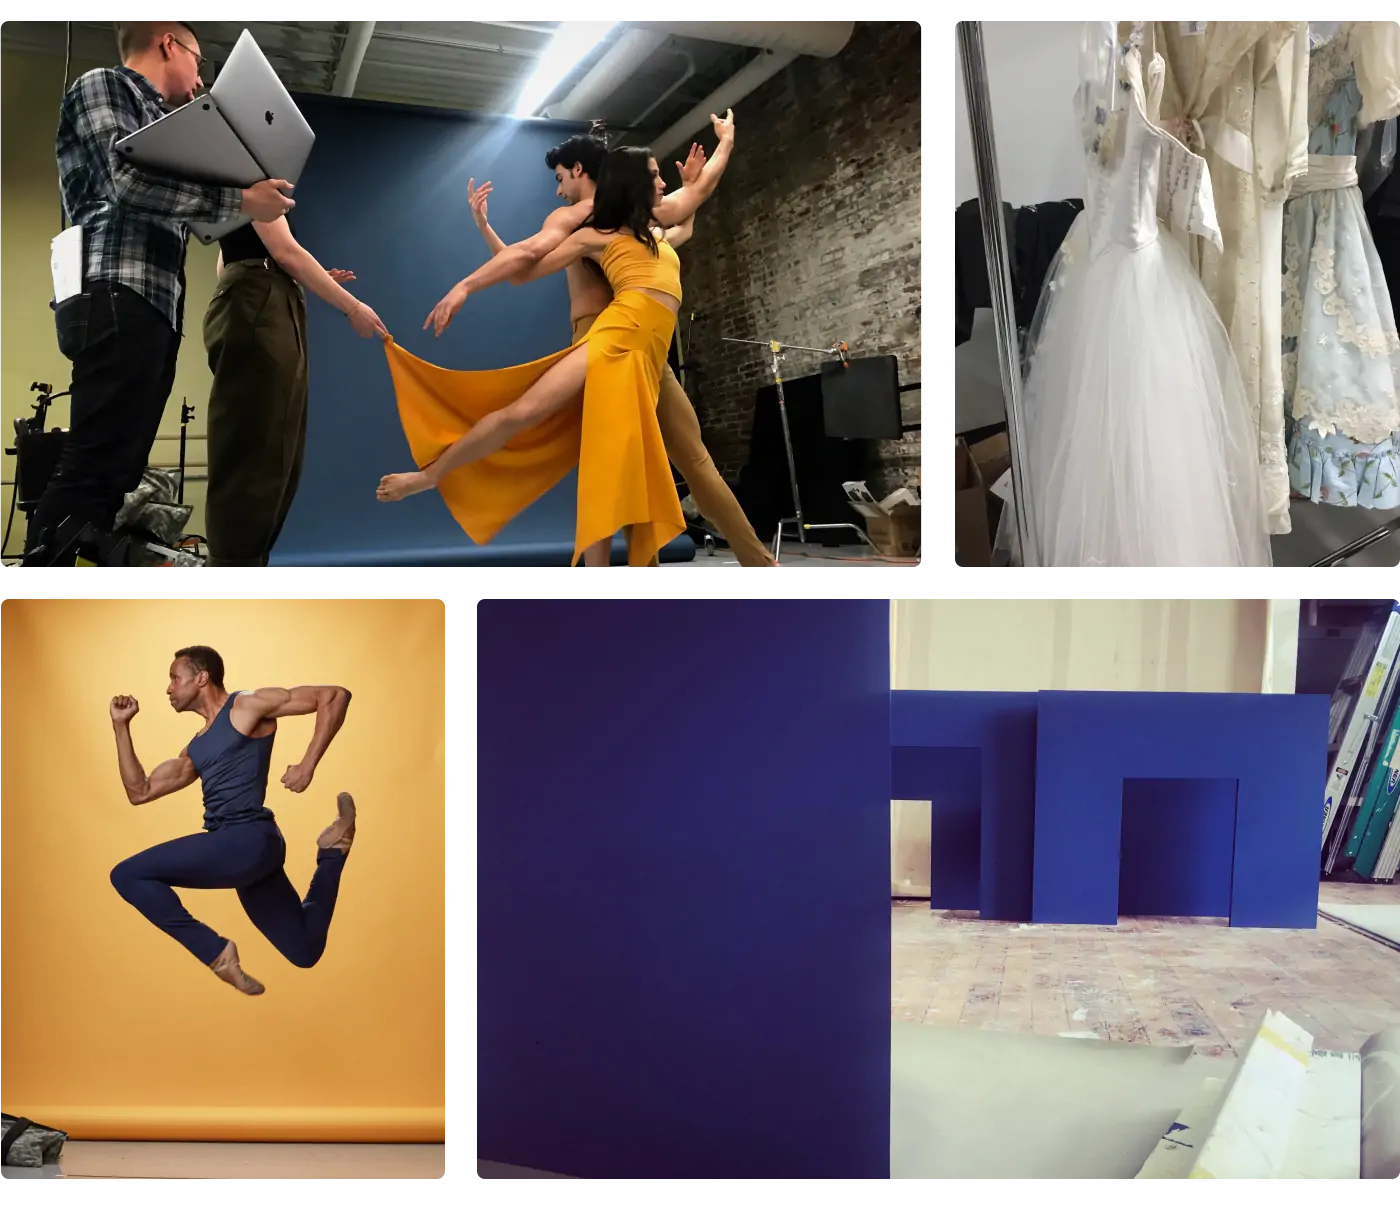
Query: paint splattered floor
[[1168, 981]]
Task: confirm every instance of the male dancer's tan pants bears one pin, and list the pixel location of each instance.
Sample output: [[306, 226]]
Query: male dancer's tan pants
[[680, 432]]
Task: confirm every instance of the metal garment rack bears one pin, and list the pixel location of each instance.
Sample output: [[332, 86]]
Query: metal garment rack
[[979, 115], [984, 154]]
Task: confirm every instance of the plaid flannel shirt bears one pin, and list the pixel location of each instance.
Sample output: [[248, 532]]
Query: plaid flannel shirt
[[133, 220]]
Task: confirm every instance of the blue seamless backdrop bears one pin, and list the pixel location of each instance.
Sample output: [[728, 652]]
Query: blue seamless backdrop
[[384, 194]]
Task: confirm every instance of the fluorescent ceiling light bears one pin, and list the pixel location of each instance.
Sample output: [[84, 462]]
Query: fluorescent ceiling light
[[571, 43]]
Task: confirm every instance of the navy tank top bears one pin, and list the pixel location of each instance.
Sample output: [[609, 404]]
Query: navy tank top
[[233, 770]]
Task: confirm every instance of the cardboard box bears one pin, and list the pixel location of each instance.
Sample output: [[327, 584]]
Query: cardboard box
[[972, 533], [895, 526], [993, 459]]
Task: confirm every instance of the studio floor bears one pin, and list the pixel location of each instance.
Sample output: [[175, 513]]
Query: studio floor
[[793, 559], [982, 1084], [1165, 982], [796, 555], [241, 1160]]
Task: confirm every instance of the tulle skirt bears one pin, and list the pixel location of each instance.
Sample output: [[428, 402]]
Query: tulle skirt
[[1141, 447]]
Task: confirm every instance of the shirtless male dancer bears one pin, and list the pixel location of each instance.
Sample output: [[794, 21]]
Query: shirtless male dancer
[[575, 163], [241, 848]]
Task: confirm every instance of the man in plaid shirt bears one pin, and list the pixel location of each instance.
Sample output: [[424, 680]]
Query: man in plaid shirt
[[123, 331]]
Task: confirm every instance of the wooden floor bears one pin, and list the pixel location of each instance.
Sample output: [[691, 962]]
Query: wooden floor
[[1175, 982]]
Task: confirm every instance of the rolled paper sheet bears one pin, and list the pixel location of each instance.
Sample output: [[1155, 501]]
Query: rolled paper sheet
[[1380, 1106]]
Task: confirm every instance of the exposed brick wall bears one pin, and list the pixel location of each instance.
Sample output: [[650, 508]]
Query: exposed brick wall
[[814, 235]]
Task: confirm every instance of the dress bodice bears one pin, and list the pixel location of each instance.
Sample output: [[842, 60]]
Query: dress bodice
[[1335, 133], [1353, 81], [1136, 169], [1121, 199], [628, 263]]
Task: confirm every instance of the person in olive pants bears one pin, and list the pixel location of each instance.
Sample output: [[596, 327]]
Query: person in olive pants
[[255, 335]]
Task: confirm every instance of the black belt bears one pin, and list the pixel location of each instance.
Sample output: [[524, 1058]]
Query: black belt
[[269, 264]]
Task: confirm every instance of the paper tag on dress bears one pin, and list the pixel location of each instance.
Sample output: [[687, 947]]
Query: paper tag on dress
[[1001, 488], [1191, 29], [66, 263]]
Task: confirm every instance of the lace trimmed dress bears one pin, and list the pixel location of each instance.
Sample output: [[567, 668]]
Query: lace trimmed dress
[[1142, 448], [1240, 90], [1341, 349]]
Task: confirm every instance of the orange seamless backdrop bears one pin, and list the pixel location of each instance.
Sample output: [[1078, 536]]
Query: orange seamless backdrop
[[110, 1028]]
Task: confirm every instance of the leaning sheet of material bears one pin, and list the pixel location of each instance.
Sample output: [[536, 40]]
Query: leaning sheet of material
[[1176, 1150], [1249, 1139], [975, 1104], [1380, 1106], [1325, 1143], [488, 1170], [1381, 920]]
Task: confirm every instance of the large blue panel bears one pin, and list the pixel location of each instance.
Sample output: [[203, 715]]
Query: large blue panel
[[1003, 727], [683, 966], [385, 194], [1178, 847], [1089, 743]]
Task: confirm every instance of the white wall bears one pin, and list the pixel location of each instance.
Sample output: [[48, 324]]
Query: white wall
[[1032, 73], [1080, 644], [1281, 647]]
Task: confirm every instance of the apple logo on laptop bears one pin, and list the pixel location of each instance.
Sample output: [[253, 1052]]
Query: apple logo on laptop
[[267, 117]]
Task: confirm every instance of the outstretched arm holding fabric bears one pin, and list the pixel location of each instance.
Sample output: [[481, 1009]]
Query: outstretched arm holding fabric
[[561, 385], [304, 268]]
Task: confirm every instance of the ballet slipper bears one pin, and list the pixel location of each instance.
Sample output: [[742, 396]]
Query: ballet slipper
[[226, 967], [340, 834]]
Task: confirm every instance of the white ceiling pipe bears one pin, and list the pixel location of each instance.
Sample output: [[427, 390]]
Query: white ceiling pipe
[[352, 55], [821, 39], [618, 64], [752, 75], [680, 81]]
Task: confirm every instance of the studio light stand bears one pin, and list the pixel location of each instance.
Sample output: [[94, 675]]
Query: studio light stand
[[186, 415], [798, 521], [77, 538]]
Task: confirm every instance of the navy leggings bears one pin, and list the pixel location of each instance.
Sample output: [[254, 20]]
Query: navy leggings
[[246, 858]]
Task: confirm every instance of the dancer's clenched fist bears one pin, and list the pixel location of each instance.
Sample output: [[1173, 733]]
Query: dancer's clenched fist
[[297, 778], [124, 707]]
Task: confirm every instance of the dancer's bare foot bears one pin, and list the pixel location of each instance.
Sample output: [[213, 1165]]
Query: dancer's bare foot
[[396, 486], [340, 834], [226, 967]]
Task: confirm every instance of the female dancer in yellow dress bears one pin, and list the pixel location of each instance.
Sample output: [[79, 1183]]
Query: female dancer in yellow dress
[[493, 442]]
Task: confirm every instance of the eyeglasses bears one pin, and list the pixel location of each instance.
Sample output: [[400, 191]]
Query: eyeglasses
[[201, 63]]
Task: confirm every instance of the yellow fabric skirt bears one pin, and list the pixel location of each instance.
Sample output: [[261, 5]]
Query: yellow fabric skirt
[[624, 477]]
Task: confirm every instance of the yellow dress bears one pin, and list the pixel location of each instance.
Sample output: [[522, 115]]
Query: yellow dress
[[624, 476]]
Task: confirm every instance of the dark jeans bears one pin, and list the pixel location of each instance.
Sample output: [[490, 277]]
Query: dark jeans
[[255, 334], [246, 858], [123, 352]]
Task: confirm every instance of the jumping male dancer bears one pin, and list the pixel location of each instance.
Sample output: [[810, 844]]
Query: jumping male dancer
[[241, 848], [575, 163]]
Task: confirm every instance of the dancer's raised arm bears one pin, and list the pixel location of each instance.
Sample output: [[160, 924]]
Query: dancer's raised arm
[[504, 264], [570, 251], [674, 208], [167, 778]]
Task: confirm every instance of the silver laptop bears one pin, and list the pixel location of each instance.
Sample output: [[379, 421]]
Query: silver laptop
[[244, 130]]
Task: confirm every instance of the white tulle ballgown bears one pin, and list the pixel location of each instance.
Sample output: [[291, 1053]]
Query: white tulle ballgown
[[1141, 449]]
